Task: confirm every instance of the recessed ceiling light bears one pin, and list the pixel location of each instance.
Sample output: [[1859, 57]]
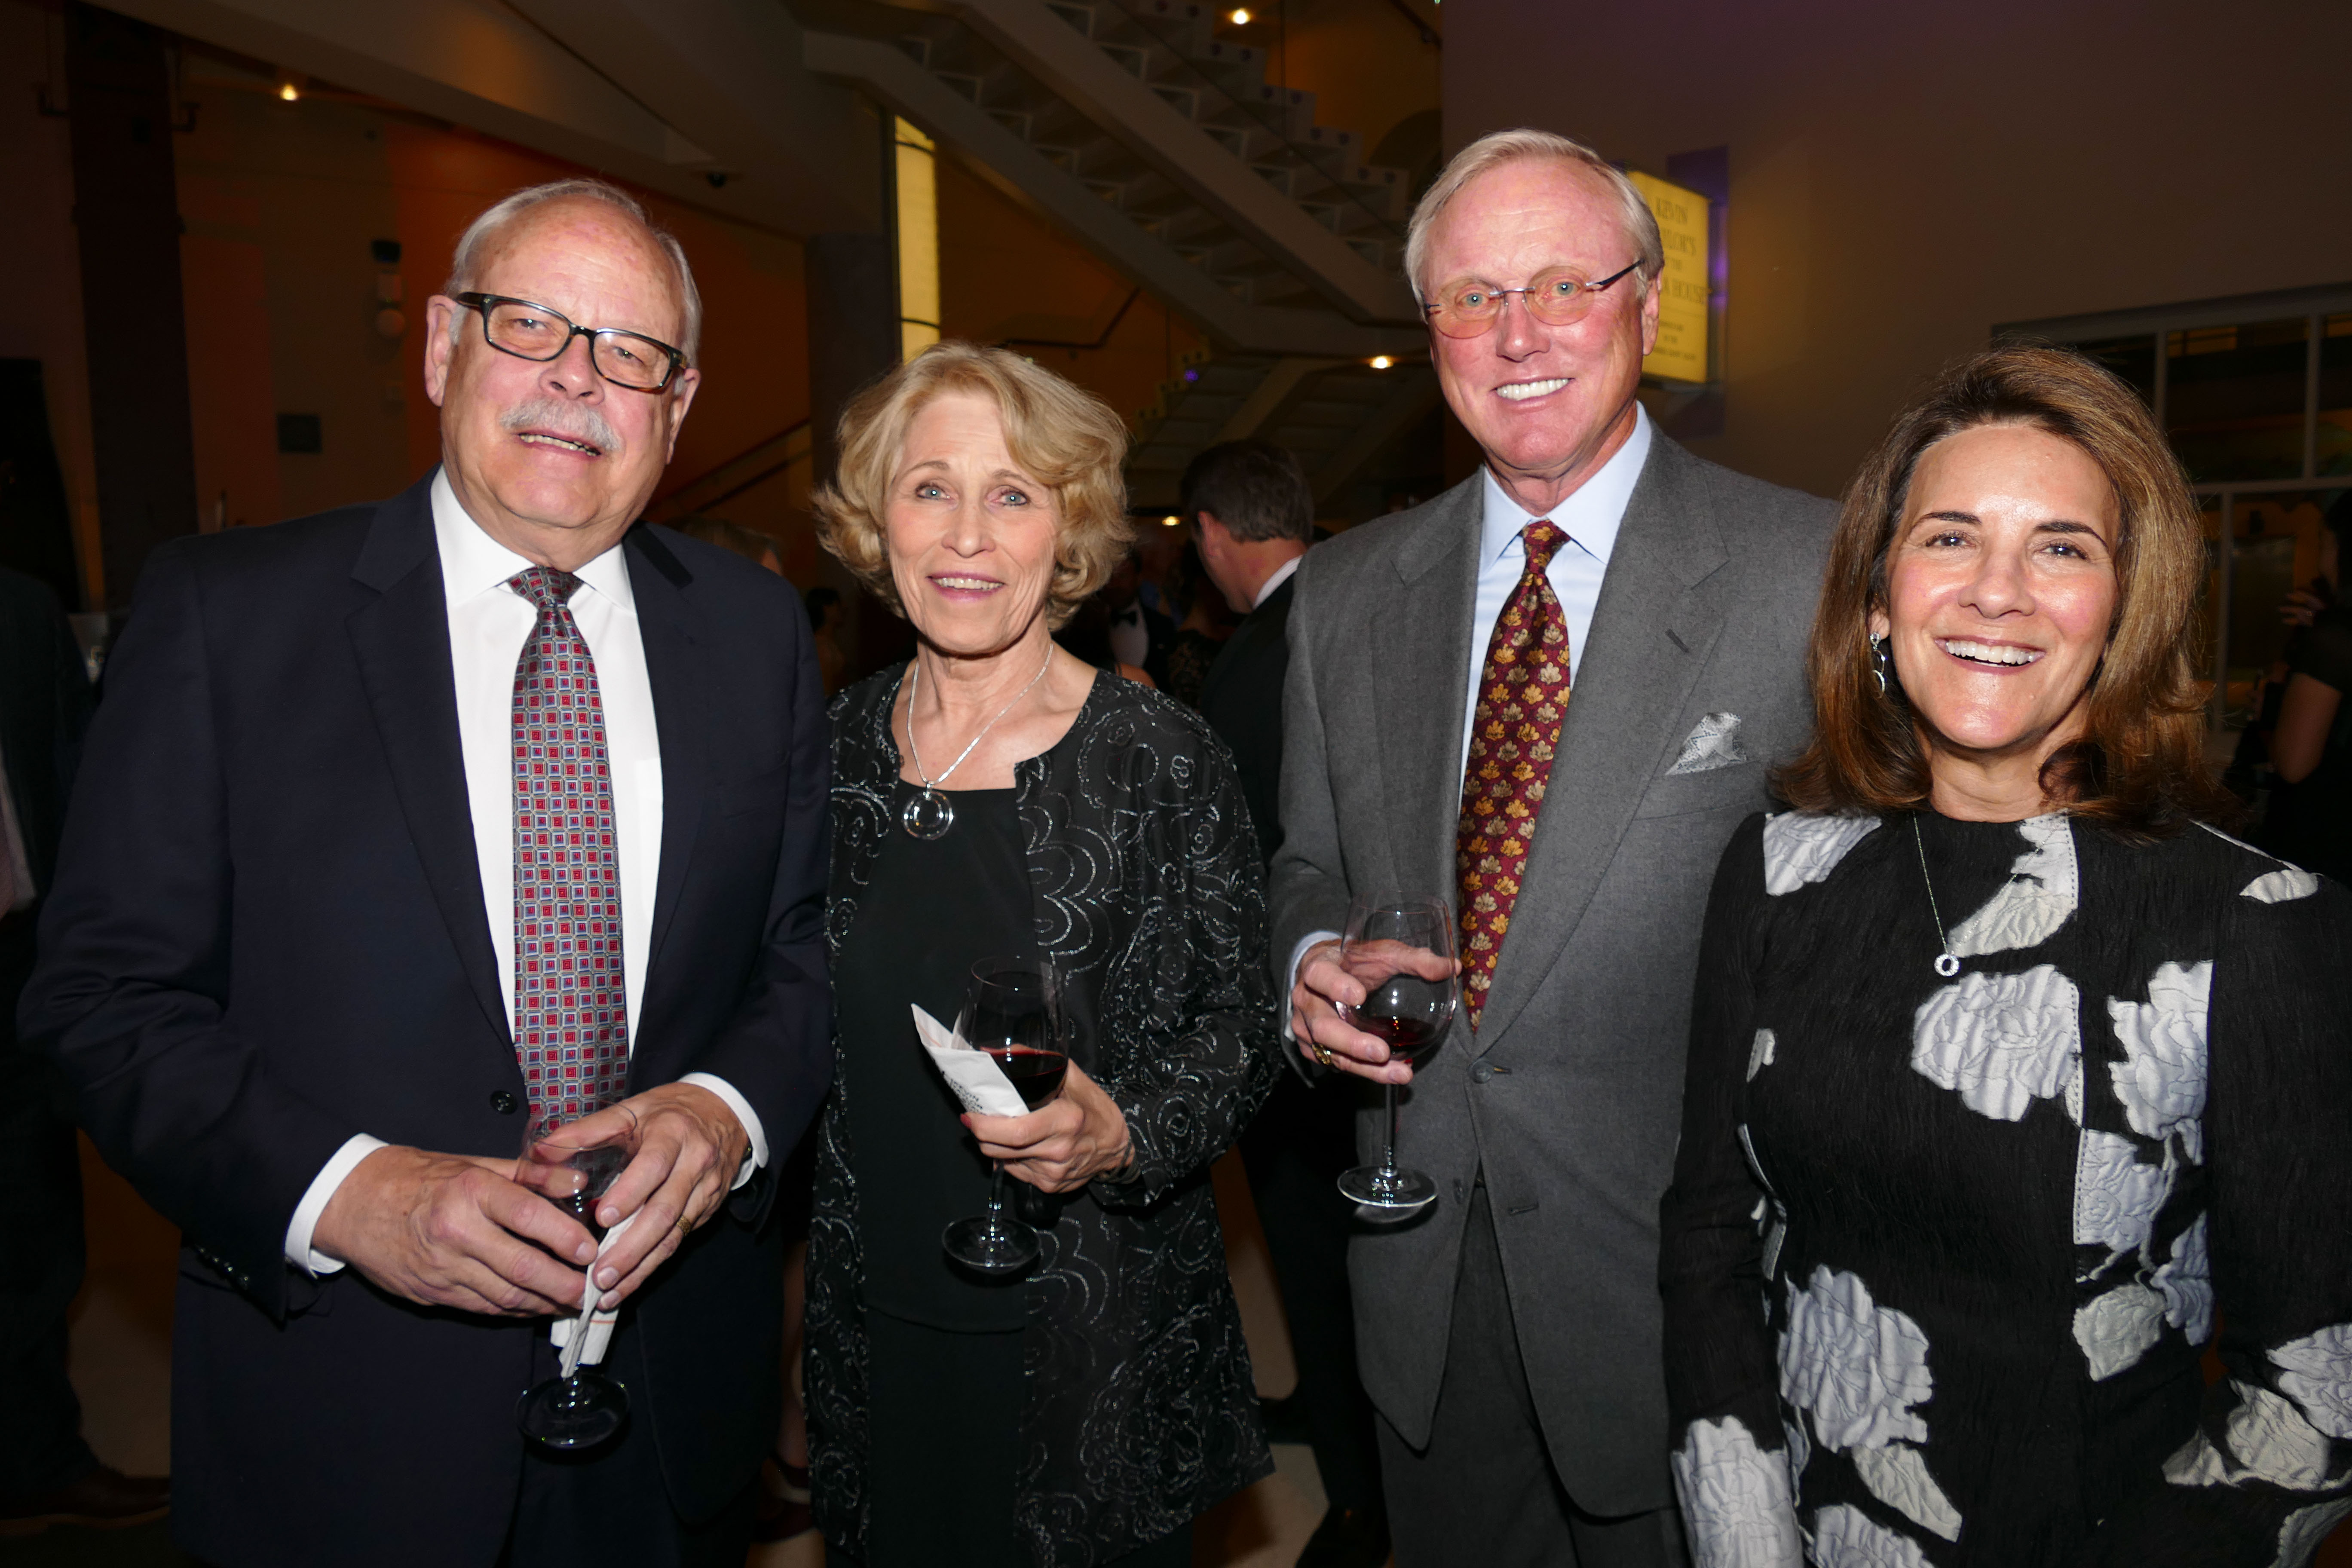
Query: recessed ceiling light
[[1381, 361], [1240, 18]]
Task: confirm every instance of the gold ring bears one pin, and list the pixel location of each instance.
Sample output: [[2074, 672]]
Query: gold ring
[[684, 1225], [1322, 1052]]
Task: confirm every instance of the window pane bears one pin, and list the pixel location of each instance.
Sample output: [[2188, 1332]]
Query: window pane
[[2336, 396], [2233, 399], [2132, 358]]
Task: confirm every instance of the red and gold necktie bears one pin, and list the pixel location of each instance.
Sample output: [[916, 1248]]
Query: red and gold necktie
[[571, 1001], [1522, 699]]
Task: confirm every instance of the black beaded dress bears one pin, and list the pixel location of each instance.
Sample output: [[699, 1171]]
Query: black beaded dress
[[1943, 1250]]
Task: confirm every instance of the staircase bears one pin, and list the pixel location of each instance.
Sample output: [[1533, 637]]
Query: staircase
[[1132, 125]]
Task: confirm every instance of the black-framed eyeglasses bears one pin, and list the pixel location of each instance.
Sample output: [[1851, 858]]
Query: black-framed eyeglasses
[[532, 331], [1558, 298]]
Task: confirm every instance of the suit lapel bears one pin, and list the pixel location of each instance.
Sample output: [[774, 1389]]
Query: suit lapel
[[401, 638], [1421, 621], [676, 668], [1650, 637]]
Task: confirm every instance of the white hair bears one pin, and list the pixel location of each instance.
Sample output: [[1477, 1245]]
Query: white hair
[[472, 245], [1498, 148]]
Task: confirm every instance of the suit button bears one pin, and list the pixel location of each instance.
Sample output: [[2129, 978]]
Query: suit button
[[502, 1102], [1481, 1072]]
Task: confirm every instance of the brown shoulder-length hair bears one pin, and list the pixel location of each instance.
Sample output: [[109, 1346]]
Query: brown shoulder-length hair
[[1063, 435], [2140, 768]]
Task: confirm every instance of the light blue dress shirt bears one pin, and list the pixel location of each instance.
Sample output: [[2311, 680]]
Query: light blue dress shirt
[[1590, 517]]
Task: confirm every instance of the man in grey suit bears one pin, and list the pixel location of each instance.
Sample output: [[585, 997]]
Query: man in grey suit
[[1548, 695]]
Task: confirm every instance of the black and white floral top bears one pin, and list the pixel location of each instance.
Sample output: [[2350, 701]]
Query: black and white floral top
[[1943, 1250], [1148, 896]]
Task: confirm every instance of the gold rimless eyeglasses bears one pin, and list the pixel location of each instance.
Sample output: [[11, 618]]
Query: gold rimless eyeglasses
[[1468, 308]]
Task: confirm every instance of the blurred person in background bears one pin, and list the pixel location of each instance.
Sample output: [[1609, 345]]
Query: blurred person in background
[[2010, 1076], [1088, 632], [824, 602], [1254, 517], [1201, 632], [2309, 821], [1135, 633], [1000, 796], [48, 1474]]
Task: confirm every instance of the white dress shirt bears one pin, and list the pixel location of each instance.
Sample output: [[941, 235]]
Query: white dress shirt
[[17, 890], [1590, 516], [1281, 574], [488, 624]]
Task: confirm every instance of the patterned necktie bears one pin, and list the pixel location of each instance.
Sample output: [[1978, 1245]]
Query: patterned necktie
[[571, 1001], [1522, 699]]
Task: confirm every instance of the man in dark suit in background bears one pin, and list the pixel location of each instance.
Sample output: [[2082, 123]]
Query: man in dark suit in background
[[1254, 517], [407, 826], [48, 1474]]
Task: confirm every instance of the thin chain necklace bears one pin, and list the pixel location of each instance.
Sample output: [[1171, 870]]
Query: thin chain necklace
[[929, 815], [1947, 965]]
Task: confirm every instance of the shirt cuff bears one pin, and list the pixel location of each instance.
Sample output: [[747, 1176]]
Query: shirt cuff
[[298, 1251], [1290, 977], [756, 1156]]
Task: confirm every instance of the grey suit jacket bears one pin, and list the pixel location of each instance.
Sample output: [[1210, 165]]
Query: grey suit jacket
[[1569, 1095]]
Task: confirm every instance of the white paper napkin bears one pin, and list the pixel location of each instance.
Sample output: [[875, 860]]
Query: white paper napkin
[[585, 1338], [974, 1075]]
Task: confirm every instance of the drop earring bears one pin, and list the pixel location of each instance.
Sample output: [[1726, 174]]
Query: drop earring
[[1882, 664]]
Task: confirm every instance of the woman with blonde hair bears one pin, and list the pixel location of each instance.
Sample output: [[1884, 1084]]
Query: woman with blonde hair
[[998, 796], [2011, 1076]]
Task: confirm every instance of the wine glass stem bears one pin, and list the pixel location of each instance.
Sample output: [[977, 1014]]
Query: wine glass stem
[[1388, 1162], [996, 1200]]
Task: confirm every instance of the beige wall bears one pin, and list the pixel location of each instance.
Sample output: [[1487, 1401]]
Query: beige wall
[[1903, 177]]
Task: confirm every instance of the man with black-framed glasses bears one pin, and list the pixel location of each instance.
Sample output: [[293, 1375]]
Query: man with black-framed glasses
[[410, 830], [1548, 696]]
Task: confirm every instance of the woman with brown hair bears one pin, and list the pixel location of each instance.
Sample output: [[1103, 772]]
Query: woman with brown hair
[[2010, 1075], [998, 796]]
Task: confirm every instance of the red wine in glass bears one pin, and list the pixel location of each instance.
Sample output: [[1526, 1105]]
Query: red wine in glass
[[1013, 1011], [1400, 948], [1037, 1074]]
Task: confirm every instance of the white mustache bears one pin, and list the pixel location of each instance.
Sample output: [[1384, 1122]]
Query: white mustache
[[572, 421]]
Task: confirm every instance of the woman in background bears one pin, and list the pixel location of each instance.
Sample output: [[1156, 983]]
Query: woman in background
[[2009, 1074]]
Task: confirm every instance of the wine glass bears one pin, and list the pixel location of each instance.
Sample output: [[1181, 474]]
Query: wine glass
[[1390, 943], [1012, 1012], [581, 1407]]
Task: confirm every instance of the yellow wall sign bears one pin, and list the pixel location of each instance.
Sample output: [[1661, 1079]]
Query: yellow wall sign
[[1681, 353]]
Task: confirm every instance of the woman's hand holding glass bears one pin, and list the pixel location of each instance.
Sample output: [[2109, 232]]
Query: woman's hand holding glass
[[1061, 1146], [1334, 978]]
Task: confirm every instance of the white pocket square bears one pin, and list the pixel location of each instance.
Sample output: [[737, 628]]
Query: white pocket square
[[1713, 742]]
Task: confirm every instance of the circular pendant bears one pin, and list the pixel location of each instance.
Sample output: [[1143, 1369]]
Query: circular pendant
[[927, 814], [1945, 966]]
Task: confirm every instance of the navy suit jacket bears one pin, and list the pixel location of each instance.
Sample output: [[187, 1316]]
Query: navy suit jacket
[[267, 933]]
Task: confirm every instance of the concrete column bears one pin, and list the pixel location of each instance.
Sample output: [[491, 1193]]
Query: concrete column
[[853, 335]]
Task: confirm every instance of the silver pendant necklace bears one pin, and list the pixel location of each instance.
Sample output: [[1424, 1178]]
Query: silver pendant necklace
[[1947, 965], [928, 814]]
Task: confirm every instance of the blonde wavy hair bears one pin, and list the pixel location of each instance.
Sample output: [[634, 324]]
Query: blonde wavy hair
[[1064, 435]]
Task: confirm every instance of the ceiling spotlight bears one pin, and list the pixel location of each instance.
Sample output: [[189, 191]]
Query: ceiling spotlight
[[1240, 18], [1381, 361], [289, 92], [1171, 520]]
